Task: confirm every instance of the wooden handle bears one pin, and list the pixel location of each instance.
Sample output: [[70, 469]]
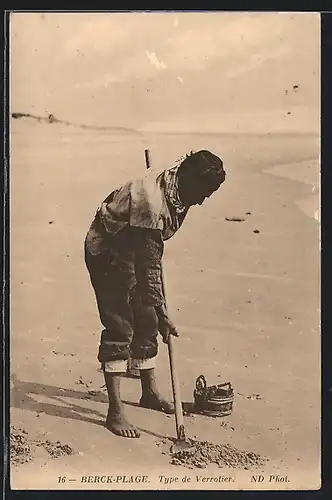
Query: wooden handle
[[175, 387], [171, 354], [147, 158]]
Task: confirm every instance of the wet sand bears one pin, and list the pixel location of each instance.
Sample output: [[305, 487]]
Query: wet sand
[[246, 304]]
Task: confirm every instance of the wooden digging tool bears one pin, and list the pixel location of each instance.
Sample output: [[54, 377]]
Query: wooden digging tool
[[181, 443]]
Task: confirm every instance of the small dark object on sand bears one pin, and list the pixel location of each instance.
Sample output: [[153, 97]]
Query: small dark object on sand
[[55, 449], [254, 396], [256, 231], [51, 118], [248, 213], [235, 219], [203, 453], [20, 449], [90, 394]]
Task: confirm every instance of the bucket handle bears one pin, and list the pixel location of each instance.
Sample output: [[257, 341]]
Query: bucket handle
[[224, 385]]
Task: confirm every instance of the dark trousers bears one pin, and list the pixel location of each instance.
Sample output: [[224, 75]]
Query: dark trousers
[[130, 327]]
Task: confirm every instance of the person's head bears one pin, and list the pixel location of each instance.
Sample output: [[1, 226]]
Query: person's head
[[200, 174]]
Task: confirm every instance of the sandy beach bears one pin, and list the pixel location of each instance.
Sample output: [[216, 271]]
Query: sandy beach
[[244, 295], [246, 304]]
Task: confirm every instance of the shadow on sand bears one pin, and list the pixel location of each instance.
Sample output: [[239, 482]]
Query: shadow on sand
[[188, 408], [22, 397]]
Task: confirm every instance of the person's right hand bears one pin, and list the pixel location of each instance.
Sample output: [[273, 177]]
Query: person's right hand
[[166, 326]]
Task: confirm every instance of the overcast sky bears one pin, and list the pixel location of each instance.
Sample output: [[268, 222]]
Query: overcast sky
[[169, 71]]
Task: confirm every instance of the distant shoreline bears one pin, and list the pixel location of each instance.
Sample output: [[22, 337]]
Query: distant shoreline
[[51, 119]]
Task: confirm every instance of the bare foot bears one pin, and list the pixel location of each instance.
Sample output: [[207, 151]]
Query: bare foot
[[117, 423], [155, 401]]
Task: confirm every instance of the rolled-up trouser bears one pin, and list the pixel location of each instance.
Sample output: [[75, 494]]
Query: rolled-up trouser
[[130, 327]]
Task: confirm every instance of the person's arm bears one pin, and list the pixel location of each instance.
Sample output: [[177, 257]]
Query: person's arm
[[149, 248]]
